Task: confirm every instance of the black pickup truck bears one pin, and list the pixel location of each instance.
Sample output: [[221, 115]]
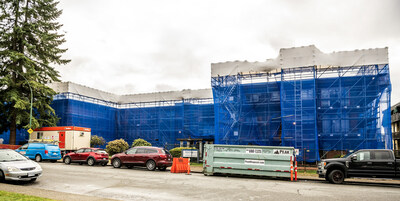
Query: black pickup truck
[[372, 163]]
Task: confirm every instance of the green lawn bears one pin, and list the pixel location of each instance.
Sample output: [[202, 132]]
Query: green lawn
[[196, 164], [307, 173], [9, 196]]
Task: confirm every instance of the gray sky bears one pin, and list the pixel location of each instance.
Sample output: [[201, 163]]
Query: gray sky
[[127, 47]]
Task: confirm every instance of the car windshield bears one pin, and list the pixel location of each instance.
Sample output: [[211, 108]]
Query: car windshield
[[101, 151], [10, 155], [348, 154], [52, 147]]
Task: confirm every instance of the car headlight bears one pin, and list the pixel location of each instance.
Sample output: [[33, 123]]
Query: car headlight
[[38, 167], [13, 169]]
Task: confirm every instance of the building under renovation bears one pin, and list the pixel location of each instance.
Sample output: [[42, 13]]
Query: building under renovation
[[315, 102], [319, 103], [161, 118]]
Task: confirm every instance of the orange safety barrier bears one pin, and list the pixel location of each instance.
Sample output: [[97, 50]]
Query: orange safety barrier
[[291, 169], [188, 169], [180, 165], [295, 169]]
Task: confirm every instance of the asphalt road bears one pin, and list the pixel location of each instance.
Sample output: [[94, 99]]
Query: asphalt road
[[140, 184]]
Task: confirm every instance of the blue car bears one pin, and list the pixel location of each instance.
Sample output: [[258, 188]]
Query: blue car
[[40, 151]]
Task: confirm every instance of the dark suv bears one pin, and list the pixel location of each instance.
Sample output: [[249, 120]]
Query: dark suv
[[149, 157]]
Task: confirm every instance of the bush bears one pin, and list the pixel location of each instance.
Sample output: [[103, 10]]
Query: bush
[[177, 151], [96, 141], [116, 146], [140, 142]]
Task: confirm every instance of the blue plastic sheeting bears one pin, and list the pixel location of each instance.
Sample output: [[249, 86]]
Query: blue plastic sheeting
[[247, 114], [100, 118], [314, 110], [298, 106], [22, 137], [163, 125], [354, 111], [160, 124]]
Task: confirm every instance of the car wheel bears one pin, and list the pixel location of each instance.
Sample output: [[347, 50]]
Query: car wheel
[[162, 168], [1, 176], [38, 158], [90, 161], [67, 160], [336, 177], [53, 161], [116, 163], [151, 165]]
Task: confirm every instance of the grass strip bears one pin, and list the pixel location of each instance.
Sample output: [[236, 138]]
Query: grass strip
[[9, 196]]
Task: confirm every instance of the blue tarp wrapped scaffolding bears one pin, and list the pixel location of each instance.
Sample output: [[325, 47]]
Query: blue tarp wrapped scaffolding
[[314, 110], [159, 122]]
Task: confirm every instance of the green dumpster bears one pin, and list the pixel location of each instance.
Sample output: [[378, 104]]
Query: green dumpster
[[248, 160]]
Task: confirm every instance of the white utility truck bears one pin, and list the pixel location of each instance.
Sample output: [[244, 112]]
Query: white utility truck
[[68, 138]]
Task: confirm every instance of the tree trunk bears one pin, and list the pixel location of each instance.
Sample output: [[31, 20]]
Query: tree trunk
[[13, 130]]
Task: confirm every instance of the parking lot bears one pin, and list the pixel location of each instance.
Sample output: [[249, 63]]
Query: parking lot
[[140, 184]]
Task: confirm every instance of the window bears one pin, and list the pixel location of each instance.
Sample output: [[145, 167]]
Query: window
[[24, 146], [164, 151], [151, 151], [382, 155], [131, 151], [80, 151], [88, 150], [140, 151], [101, 151], [363, 156], [39, 135]]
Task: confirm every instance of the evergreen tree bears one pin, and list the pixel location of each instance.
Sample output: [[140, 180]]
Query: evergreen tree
[[29, 47]]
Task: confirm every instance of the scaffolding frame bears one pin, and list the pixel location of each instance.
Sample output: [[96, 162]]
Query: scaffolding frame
[[321, 109], [159, 122]]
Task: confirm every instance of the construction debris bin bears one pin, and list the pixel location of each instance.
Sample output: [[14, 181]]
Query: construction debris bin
[[249, 160]]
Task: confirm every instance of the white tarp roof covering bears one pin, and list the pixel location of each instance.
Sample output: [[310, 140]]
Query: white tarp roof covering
[[301, 57], [65, 87]]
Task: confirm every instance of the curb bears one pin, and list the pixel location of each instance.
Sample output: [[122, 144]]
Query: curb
[[349, 180]]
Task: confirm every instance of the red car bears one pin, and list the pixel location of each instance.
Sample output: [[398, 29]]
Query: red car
[[149, 157], [91, 156]]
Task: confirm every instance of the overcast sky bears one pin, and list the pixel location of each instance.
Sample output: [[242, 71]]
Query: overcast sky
[[128, 47]]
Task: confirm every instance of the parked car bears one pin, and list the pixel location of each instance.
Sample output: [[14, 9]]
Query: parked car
[[149, 157], [376, 163], [40, 151], [91, 156], [14, 166]]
